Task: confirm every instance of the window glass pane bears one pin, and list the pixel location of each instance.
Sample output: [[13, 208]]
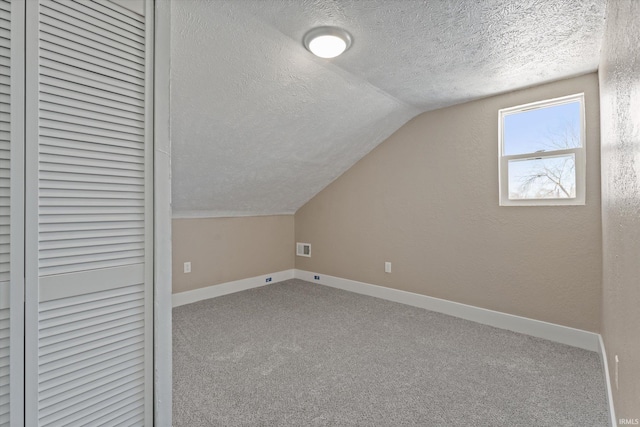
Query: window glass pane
[[543, 178], [543, 129]]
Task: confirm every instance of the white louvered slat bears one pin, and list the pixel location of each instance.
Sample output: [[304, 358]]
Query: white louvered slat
[[79, 377], [89, 62], [105, 21], [99, 119], [111, 34], [99, 406], [97, 123], [98, 346], [76, 200], [74, 222], [85, 360], [52, 247], [55, 179], [118, 83], [82, 96], [91, 149], [90, 47], [76, 132], [91, 262], [89, 226], [50, 102], [134, 12], [133, 408], [128, 415], [80, 157], [95, 406], [100, 233], [6, 152], [55, 336], [98, 41], [52, 134], [68, 252], [62, 73], [96, 89], [71, 166], [85, 339], [90, 387], [93, 210], [118, 12]]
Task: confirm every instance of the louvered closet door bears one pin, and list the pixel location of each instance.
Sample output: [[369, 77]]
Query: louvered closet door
[[89, 185], [11, 211]]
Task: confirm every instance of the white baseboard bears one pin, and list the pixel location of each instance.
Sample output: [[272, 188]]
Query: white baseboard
[[188, 297], [607, 379], [550, 331]]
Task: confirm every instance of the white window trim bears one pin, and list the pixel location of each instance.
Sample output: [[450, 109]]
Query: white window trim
[[579, 153]]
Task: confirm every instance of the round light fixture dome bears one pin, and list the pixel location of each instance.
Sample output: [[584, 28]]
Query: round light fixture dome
[[327, 42]]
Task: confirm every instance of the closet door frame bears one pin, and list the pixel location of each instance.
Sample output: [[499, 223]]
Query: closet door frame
[[31, 217], [149, 212], [162, 212], [17, 262], [31, 208]]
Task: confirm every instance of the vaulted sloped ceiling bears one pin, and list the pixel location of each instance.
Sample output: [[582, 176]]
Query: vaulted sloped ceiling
[[260, 125]]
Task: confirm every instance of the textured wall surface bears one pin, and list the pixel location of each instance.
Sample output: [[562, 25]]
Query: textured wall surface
[[226, 249], [620, 110], [426, 200], [259, 125]]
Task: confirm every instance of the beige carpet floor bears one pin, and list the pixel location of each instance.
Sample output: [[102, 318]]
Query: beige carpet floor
[[301, 354]]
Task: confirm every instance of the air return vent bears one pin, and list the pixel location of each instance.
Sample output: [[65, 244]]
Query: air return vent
[[303, 249]]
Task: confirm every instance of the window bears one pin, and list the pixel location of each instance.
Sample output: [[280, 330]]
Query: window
[[542, 153]]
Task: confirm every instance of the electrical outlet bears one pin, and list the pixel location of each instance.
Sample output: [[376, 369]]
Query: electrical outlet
[[616, 370], [387, 267], [268, 279], [187, 267], [316, 277]]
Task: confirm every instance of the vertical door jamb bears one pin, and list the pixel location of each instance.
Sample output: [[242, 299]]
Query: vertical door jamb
[[162, 215], [31, 213], [148, 216], [16, 279]]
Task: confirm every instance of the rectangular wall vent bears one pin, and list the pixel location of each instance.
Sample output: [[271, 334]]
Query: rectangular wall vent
[[303, 249]]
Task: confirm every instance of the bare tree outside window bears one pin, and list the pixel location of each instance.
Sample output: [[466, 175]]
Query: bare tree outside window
[[548, 177]]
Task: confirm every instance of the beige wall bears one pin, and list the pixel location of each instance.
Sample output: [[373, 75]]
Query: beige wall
[[426, 199], [620, 99], [226, 249]]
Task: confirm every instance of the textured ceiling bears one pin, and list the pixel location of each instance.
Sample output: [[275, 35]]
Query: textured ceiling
[[259, 125]]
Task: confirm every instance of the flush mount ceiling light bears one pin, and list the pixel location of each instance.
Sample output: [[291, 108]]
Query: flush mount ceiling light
[[327, 42]]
